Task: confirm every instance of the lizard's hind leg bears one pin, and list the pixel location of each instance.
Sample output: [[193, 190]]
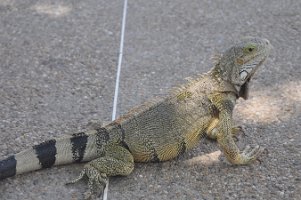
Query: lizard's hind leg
[[116, 161]]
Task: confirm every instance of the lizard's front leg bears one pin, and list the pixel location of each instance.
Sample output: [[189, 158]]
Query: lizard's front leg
[[212, 130], [223, 132], [116, 161]]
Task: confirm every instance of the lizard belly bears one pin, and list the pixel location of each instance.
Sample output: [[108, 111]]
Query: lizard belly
[[166, 145], [166, 130]]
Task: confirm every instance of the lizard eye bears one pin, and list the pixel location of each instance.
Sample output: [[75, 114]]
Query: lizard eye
[[249, 48]]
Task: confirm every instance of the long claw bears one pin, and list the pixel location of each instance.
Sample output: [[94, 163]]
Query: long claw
[[266, 151], [258, 160], [248, 147], [81, 176], [87, 195], [235, 138], [239, 129], [250, 154]]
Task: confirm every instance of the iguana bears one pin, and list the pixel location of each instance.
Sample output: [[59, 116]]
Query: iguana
[[159, 130]]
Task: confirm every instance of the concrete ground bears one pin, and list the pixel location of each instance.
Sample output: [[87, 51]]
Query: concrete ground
[[58, 65]]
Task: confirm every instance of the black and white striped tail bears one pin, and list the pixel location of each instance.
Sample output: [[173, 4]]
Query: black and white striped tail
[[79, 147]]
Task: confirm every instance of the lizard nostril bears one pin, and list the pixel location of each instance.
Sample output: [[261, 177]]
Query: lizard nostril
[[267, 42]]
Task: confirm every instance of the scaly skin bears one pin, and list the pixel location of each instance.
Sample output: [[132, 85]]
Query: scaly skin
[[159, 130]]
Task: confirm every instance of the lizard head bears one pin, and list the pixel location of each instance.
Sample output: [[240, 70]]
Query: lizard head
[[239, 63]]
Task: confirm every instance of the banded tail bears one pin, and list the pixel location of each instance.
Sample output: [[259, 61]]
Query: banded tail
[[79, 147]]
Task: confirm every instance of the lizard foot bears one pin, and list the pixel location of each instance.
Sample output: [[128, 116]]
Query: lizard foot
[[250, 154], [96, 181]]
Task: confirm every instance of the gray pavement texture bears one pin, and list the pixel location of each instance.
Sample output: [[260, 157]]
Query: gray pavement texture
[[58, 65]]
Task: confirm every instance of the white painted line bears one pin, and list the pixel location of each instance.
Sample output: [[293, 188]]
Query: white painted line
[[119, 60], [105, 192]]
